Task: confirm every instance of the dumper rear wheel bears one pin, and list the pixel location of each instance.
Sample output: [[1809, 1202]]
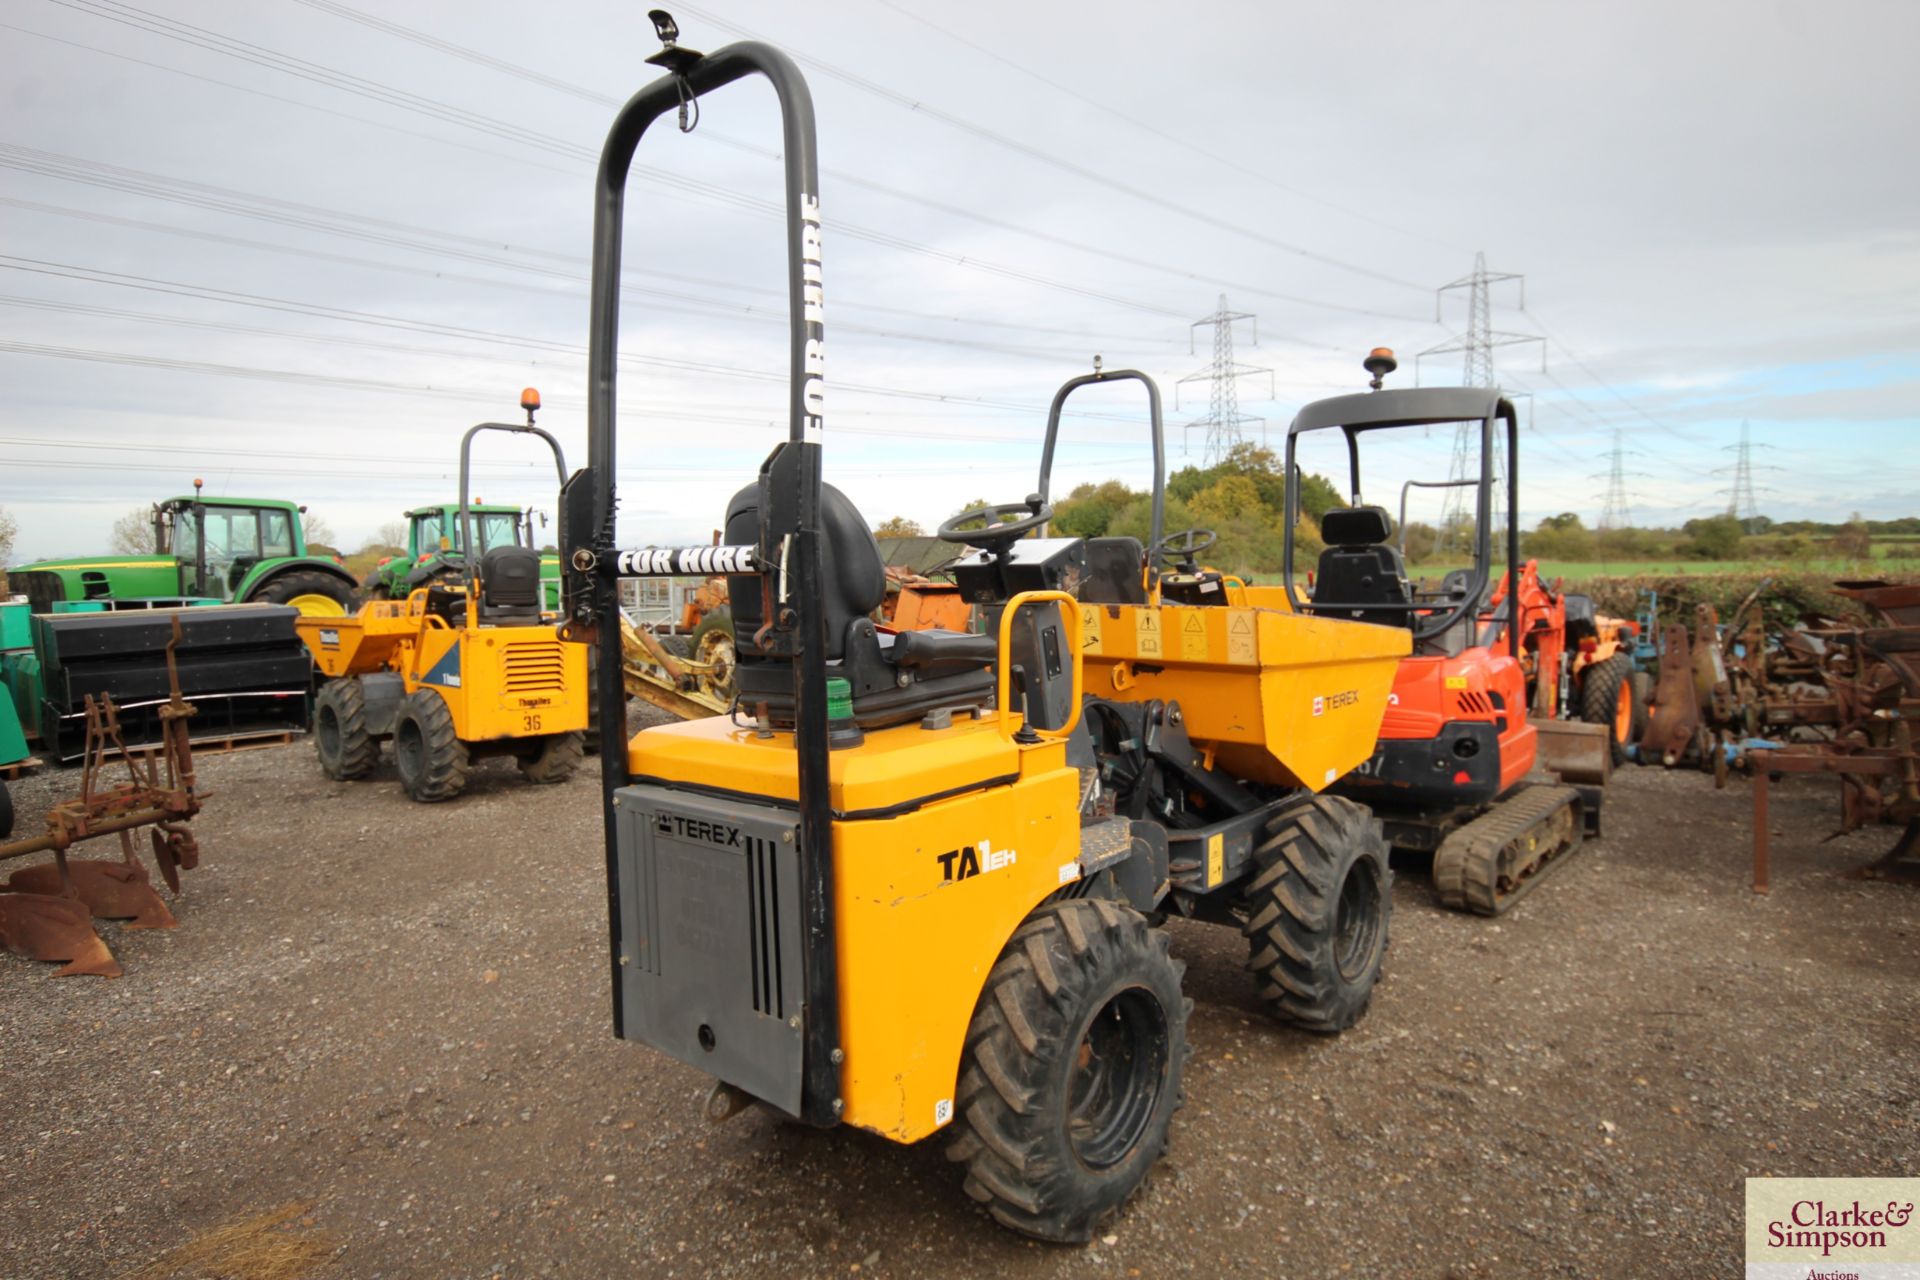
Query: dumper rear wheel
[[1072, 1069], [432, 760], [1317, 911], [553, 758], [340, 737]]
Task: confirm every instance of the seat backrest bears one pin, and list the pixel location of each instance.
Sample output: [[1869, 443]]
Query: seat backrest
[[853, 574], [1115, 572], [510, 582], [1360, 567]]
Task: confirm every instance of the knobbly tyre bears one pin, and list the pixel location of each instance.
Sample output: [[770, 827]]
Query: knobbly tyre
[[904, 888]]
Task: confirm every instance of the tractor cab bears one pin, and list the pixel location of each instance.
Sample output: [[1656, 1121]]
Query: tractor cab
[[248, 549], [436, 529], [217, 542]]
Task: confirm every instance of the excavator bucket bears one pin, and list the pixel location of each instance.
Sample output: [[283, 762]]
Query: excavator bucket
[[56, 929]]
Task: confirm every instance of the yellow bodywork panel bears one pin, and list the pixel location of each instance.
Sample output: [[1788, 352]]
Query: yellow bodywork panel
[[1279, 697], [498, 681], [924, 900], [890, 767]]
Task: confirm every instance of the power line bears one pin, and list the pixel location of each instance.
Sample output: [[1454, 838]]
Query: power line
[[1079, 244], [923, 108], [152, 284], [1145, 126], [202, 38]]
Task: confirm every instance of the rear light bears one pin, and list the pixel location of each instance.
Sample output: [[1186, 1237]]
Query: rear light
[[424, 557], [1462, 778], [1588, 645]]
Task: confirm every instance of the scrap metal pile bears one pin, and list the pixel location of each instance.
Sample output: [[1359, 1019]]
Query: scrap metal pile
[[47, 911], [1827, 698]]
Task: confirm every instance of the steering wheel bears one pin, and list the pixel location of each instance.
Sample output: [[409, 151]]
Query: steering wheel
[[1182, 547], [999, 533]]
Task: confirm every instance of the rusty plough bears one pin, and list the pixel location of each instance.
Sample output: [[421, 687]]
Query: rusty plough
[[47, 911]]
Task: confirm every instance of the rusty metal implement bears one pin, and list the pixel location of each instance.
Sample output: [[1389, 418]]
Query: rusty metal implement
[[47, 911]]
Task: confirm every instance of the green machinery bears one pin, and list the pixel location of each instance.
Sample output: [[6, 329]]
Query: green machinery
[[436, 546], [232, 550]]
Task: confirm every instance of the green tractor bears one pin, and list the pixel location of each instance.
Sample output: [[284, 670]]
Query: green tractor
[[234, 550], [435, 550]]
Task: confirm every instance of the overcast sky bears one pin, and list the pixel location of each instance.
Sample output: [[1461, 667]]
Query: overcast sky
[[295, 247]]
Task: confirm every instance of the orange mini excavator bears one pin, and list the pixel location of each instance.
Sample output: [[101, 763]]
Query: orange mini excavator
[[1495, 679]]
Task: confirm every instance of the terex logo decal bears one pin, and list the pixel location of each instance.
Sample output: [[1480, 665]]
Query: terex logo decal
[[721, 834], [960, 864], [1335, 701]]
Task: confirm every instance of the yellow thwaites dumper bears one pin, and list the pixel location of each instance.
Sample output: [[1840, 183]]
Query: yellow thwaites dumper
[[454, 671], [912, 882]]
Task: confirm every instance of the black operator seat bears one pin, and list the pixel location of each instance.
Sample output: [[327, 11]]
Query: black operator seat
[[1361, 567], [510, 585], [931, 669]]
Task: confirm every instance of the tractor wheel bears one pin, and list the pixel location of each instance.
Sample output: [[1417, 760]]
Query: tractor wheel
[[1072, 1069], [432, 760], [1317, 911], [6, 811], [1606, 697], [340, 736], [554, 759], [712, 641], [315, 594]]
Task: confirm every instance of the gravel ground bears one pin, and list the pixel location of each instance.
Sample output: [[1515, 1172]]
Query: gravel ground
[[399, 1014]]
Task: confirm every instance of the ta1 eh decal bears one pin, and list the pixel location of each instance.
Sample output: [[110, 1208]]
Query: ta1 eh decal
[[960, 864]]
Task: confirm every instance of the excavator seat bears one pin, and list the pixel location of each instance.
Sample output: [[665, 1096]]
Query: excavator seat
[[893, 678], [1361, 567]]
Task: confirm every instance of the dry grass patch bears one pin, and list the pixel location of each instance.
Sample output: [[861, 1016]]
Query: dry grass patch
[[275, 1245]]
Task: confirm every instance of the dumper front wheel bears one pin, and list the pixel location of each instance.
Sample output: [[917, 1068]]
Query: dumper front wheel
[[340, 737], [1316, 913], [553, 758], [1072, 1069], [431, 758]]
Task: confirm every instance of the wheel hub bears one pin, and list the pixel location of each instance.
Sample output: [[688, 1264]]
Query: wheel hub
[[1120, 1066]]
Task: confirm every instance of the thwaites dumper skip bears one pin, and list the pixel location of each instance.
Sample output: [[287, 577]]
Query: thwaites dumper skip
[[914, 886], [1502, 676], [455, 671]]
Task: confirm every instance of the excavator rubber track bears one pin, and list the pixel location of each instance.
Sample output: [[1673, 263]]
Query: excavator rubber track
[[1497, 859]]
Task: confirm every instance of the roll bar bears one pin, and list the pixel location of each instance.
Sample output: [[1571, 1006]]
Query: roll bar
[[787, 553], [1355, 415], [469, 553], [1072, 385]]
